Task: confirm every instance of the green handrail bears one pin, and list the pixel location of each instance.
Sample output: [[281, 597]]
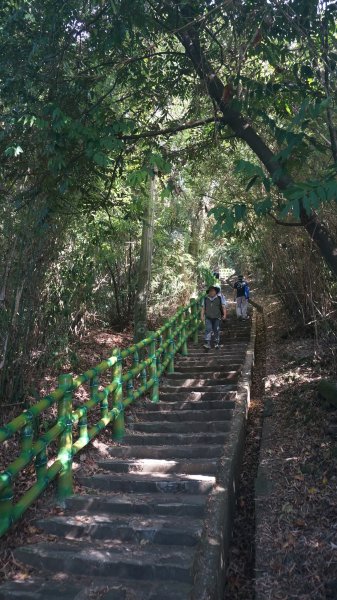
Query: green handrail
[[158, 351]]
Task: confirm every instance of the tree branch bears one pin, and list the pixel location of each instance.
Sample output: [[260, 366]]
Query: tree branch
[[285, 223], [243, 129], [171, 130]]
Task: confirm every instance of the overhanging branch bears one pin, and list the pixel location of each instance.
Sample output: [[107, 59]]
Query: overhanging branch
[[170, 130], [285, 223]]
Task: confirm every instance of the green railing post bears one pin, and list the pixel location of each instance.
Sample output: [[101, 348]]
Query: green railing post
[[184, 349], [104, 404], [94, 383], [118, 424], [170, 368], [143, 375], [153, 368], [129, 385], [6, 505], [65, 480], [194, 312], [83, 426], [160, 357], [41, 461], [27, 433]]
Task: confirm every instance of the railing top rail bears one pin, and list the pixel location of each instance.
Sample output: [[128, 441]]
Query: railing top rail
[[8, 430]]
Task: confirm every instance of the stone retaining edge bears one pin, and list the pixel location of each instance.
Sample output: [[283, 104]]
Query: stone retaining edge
[[210, 563]]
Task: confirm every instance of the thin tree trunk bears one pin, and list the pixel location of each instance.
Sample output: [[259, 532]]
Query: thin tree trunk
[[145, 263], [242, 128], [6, 274], [197, 227], [129, 278], [115, 289]]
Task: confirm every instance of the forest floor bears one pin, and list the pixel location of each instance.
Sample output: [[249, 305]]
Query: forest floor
[[288, 550]]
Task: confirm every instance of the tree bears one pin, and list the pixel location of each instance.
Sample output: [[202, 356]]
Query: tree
[[188, 35], [145, 261]]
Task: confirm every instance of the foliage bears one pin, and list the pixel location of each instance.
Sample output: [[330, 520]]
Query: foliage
[[86, 90]]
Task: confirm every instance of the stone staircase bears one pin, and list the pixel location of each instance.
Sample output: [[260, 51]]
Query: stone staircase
[[135, 534]]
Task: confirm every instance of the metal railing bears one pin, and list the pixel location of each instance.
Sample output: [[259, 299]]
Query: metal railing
[[146, 363]]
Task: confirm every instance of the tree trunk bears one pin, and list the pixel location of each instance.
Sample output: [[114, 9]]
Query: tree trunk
[[197, 230], [145, 263], [189, 37]]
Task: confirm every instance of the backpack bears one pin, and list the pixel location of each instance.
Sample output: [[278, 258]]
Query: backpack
[[221, 305], [243, 285]]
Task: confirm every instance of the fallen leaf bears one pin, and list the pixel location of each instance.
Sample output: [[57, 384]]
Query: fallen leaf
[[299, 523]]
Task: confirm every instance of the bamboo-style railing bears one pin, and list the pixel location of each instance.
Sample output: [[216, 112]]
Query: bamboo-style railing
[[150, 358]]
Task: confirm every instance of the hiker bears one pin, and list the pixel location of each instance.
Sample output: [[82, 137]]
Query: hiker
[[241, 296], [212, 311], [221, 295]]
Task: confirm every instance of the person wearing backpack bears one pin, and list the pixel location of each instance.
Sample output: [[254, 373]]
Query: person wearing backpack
[[221, 295], [241, 297], [212, 311]]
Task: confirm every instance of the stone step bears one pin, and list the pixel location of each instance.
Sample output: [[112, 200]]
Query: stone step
[[226, 341], [185, 415], [204, 362], [150, 562], [39, 590], [192, 466], [104, 589], [177, 531], [205, 450], [188, 505], [175, 439], [200, 351], [195, 395], [215, 370], [159, 427], [181, 380], [140, 484], [148, 590], [203, 354], [194, 405], [180, 389], [212, 378]]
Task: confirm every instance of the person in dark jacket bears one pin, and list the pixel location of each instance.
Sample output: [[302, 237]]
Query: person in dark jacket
[[212, 311], [241, 297]]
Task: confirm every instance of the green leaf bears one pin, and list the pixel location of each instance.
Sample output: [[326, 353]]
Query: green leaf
[[240, 211], [101, 159], [267, 184], [263, 208], [250, 183], [248, 169], [13, 151]]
